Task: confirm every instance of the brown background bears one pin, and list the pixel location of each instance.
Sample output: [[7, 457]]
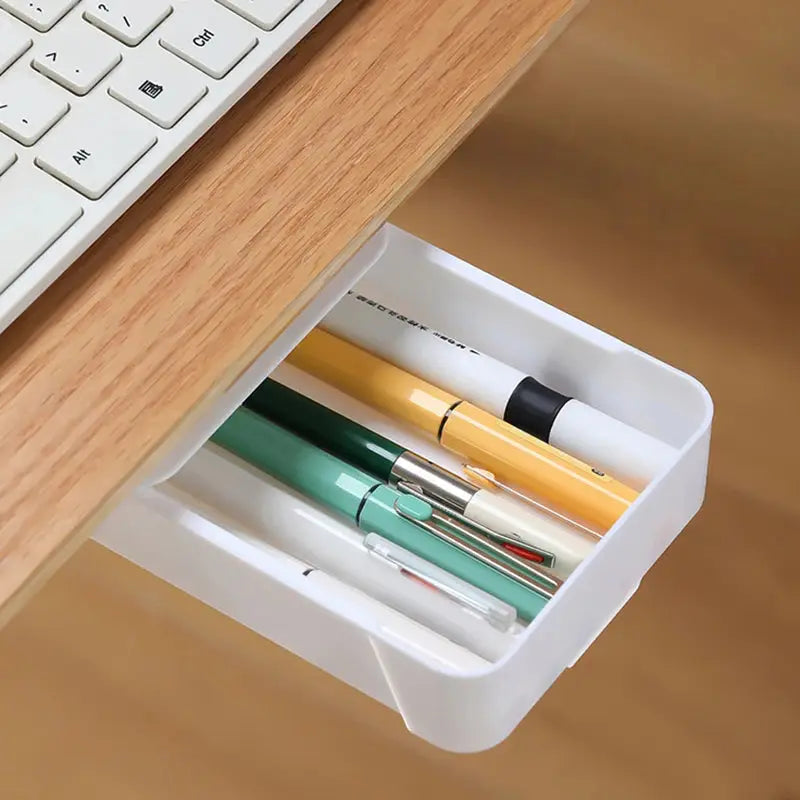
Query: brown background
[[644, 176]]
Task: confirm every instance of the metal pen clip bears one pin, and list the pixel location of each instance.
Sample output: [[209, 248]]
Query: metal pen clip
[[450, 530], [548, 558], [480, 475]]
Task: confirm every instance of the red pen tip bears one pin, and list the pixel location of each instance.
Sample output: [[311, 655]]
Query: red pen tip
[[524, 553]]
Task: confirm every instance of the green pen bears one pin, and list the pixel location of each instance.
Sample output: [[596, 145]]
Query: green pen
[[373, 506], [344, 438], [529, 539]]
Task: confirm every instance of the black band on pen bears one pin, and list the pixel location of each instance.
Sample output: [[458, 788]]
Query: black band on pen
[[363, 502], [445, 418], [533, 408]]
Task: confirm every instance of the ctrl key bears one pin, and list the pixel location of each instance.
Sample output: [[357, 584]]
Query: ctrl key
[[34, 212]]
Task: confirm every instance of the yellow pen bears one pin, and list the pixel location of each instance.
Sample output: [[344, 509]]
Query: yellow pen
[[513, 456]]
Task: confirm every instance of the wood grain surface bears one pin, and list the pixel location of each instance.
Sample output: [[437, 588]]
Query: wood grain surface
[[203, 273], [643, 176]]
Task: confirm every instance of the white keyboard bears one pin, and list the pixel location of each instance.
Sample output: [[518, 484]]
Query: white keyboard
[[97, 100]]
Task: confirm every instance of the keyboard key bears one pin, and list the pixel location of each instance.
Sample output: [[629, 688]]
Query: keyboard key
[[13, 43], [78, 60], [7, 157], [34, 211], [41, 14], [128, 20], [94, 148], [29, 107], [209, 38], [161, 88], [264, 13]]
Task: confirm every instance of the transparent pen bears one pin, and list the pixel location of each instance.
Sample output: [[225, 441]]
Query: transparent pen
[[498, 614]]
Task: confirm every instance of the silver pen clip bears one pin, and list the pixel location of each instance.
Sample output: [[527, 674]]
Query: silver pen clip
[[480, 475], [464, 538], [548, 558]]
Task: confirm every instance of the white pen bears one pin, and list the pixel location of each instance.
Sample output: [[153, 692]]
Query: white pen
[[628, 454], [175, 504], [269, 514], [398, 626]]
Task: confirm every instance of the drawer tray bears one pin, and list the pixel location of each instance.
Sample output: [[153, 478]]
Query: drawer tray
[[205, 533]]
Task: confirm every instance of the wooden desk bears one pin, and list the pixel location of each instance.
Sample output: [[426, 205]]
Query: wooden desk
[[621, 163], [202, 274]]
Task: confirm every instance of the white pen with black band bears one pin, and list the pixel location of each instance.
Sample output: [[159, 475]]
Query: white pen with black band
[[626, 453]]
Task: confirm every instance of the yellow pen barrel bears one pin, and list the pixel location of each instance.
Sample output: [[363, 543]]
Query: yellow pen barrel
[[372, 380], [517, 458], [514, 456]]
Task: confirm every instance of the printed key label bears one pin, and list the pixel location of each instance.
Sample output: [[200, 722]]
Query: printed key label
[[203, 38], [81, 156], [151, 89]]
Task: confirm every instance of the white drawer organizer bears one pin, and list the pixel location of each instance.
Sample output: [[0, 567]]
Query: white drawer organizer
[[202, 545]]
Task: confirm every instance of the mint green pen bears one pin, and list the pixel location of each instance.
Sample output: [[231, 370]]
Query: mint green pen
[[373, 507]]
